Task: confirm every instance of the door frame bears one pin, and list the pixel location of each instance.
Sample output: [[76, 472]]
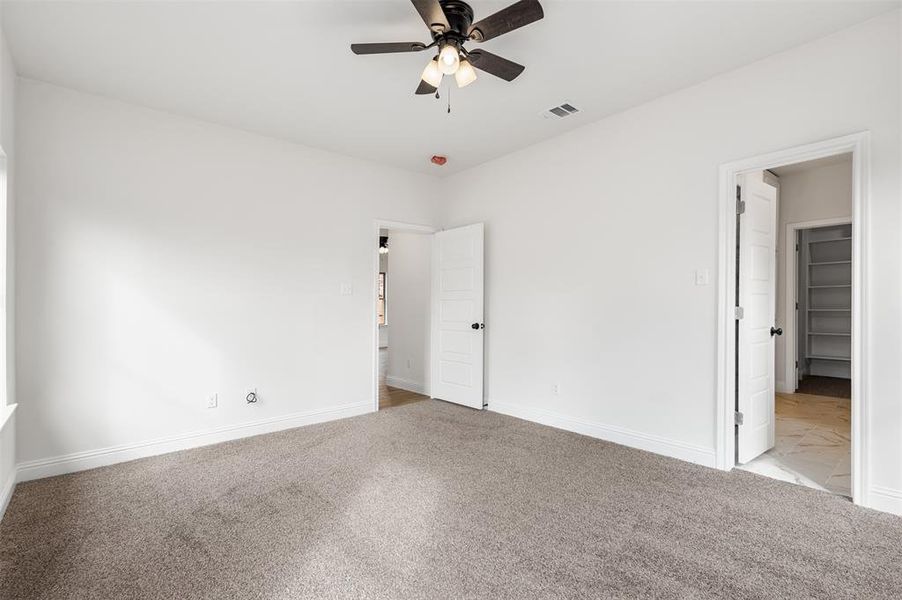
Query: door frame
[[792, 293], [858, 144], [374, 246]]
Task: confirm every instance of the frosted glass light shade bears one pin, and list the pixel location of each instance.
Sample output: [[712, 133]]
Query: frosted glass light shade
[[449, 59], [432, 74], [466, 74]]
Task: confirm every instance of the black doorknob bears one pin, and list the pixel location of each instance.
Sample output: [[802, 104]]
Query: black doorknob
[[478, 326], [777, 331]]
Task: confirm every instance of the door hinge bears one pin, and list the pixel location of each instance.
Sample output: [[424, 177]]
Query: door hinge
[[740, 205], [738, 418], [797, 364], [797, 247], [739, 313], [797, 306]]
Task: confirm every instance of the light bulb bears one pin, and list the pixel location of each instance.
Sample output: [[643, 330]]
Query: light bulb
[[466, 74], [449, 59], [432, 74]]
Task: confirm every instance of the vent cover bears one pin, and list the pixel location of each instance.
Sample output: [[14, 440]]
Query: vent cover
[[559, 112]]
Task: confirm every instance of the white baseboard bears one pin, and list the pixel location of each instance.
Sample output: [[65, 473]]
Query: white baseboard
[[6, 493], [405, 384], [619, 435], [784, 388], [79, 461], [885, 499]]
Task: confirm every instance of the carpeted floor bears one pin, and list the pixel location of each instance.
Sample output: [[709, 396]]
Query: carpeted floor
[[431, 500]]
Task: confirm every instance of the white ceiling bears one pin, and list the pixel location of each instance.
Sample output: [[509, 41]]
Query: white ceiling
[[284, 69]]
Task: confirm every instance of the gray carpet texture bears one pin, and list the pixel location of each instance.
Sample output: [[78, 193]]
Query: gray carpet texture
[[432, 500]]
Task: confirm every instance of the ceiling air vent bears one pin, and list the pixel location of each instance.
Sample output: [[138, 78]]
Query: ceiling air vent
[[564, 110]]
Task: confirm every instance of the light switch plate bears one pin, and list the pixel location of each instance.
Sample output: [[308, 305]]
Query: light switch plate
[[347, 289], [701, 277]]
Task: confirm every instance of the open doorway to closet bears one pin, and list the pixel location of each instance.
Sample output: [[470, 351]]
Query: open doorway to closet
[[811, 443], [402, 313], [793, 405]]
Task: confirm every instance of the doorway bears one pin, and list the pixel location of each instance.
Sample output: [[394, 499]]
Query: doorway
[[402, 315], [811, 444], [428, 314], [791, 398]]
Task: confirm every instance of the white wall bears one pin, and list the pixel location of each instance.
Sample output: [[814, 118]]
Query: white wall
[[7, 272], [164, 259], [808, 195], [408, 310], [593, 238]]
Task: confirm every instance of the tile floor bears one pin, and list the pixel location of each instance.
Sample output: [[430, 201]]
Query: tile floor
[[813, 443]]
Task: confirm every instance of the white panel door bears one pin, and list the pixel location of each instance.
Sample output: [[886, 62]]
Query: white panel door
[[457, 315], [757, 297]]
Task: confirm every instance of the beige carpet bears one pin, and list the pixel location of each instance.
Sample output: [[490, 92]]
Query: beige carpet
[[431, 500]]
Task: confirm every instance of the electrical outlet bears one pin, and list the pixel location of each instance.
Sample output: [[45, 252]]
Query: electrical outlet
[[555, 389], [213, 401], [408, 363]]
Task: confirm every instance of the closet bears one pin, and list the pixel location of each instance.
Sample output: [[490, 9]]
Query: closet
[[825, 302]]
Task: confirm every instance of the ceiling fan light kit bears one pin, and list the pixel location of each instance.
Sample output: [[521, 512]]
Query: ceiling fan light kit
[[451, 24]]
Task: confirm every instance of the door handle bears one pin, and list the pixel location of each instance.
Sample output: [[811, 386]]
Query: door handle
[[477, 326], [776, 331]]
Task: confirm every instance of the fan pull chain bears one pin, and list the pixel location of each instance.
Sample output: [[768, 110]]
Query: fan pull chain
[[449, 98]]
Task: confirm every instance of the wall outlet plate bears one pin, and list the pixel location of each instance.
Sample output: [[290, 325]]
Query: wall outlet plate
[[212, 400]]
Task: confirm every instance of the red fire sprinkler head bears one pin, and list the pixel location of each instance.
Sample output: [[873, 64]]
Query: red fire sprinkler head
[[439, 160]]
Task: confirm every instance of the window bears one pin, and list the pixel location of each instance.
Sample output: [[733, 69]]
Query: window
[[380, 300]]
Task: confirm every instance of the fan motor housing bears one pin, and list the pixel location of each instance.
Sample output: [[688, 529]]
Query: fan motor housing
[[459, 15]]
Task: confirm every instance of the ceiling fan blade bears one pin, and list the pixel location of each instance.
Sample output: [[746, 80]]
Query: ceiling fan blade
[[507, 19], [425, 88], [495, 65], [432, 14], [387, 47]]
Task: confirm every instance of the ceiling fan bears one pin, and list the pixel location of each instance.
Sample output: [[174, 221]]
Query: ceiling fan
[[451, 24]]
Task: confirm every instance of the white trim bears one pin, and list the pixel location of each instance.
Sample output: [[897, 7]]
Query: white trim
[[79, 461], [405, 384], [397, 226], [6, 494], [700, 455], [886, 499], [858, 144], [6, 413], [783, 388], [790, 327]]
